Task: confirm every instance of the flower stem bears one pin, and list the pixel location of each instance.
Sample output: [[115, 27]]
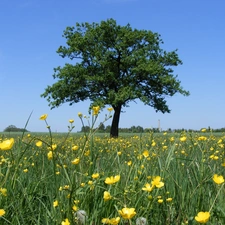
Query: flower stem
[[216, 198]]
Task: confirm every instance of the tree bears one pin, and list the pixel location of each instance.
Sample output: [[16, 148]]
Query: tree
[[85, 129], [108, 128], [114, 65], [13, 128], [101, 127]]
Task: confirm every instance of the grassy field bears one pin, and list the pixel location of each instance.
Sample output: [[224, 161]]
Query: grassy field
[[53, 178]]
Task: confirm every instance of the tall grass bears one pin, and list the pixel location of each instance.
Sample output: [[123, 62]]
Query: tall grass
[[73, 178]]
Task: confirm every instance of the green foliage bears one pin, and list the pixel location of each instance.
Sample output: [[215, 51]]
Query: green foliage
[[132, 129], [114, 65], [85, 129], [13, 128]]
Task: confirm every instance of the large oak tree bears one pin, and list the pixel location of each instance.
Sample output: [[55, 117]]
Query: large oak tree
[[114, 65]]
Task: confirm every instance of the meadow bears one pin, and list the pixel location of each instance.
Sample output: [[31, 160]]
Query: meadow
[[160, 179]]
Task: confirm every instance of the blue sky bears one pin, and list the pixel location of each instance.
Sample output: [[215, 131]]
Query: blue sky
[[31, 32]]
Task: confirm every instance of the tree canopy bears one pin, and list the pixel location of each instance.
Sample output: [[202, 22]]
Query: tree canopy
[[114, 65], [13, 128]]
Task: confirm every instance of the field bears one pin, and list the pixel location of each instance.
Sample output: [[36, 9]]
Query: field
[[50, 178]]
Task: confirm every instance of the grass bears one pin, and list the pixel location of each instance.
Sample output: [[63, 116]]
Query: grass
[[70, 171]]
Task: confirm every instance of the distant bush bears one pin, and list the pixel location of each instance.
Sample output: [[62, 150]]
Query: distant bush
[[13, 128]]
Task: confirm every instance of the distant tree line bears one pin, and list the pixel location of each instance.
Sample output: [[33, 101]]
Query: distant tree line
[[219, 129], [138, 129], [133, 129], [13, 128], [209, 129]]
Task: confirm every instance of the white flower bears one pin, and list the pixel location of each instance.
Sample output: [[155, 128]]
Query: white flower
[[141, 221], [81, 215]]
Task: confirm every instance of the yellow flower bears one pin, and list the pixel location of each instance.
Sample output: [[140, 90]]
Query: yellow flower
[[112, 180], [129, 163], [95, 110], [75, 208], [106, 220], [218, 179], [148, 187], [90, 182], [3, 191], [65, 222], [76, 161], [169, 199], [54, 146], [95, 175], [146, 154], [43, 117], [75, 147], [2, 212], [66, 187], [107, 196], [202, 217], [183, 139], [202, 138], [157, 182], [7, 144], [160, 201], [76, 201], [80, 114], [39, 143], [50, 155], [110, 109], [172, 139], [55, 203], [203, 130], [114, 221], [71, 121], [127, 213], [87, 153]]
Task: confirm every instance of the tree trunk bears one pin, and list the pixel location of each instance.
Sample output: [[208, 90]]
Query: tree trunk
[[114, 132]]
